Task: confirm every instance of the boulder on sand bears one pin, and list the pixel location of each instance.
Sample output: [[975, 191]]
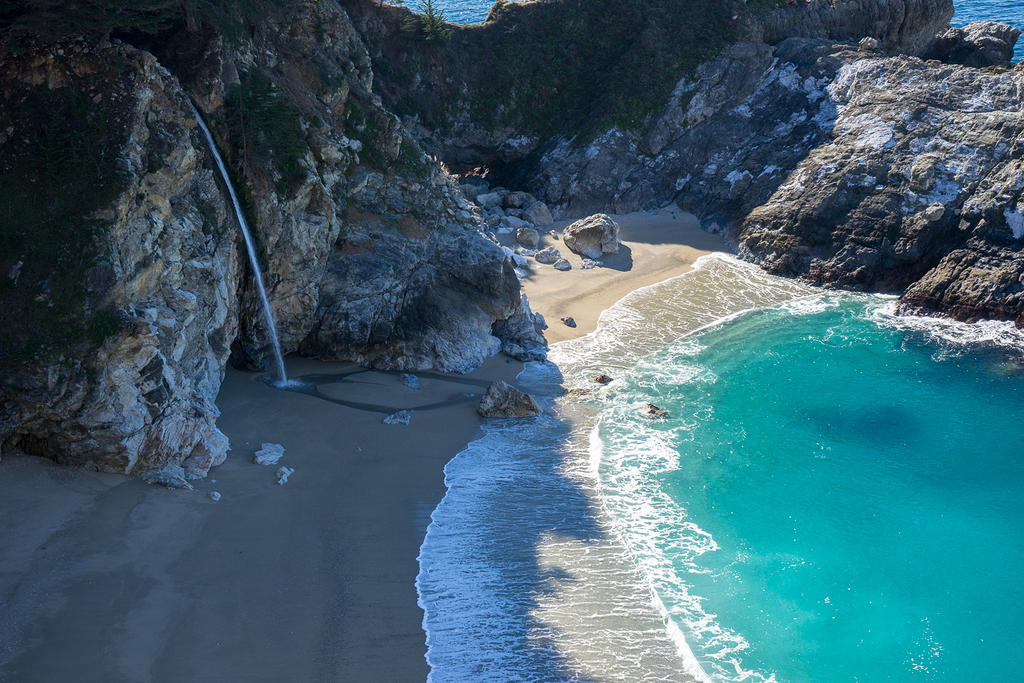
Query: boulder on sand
[[502, 400], [593, 236], [268, 454], [548, 255], [528, 237]]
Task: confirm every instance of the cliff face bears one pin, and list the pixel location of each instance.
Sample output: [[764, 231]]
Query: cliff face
[[834, 163], [369, 251], [155, 254], [538, 73]]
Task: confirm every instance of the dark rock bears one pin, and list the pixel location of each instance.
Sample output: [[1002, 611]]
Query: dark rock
[[569, 322], [502, 400], [654, 411], [601, 378], [980, 44]]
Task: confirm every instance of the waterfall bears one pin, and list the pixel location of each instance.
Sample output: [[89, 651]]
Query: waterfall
[[248, 245]]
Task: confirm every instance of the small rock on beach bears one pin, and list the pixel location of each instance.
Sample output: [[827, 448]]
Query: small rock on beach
[[268, 454], [282, 475], [402, 417]]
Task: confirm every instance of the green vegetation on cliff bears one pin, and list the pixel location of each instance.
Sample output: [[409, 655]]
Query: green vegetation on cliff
[[58, 168], [573, 67], [268, 128]]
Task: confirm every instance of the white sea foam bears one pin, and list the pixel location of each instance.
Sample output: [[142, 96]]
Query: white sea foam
[[555, 554], [952, 337]]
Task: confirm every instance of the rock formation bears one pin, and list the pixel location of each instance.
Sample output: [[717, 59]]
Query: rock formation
[[158, 260], [370, 251], [593, 236], [843, 166], [502, 400]]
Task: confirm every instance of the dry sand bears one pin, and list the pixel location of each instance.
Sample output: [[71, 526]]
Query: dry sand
[[656, 245], [103, 578]]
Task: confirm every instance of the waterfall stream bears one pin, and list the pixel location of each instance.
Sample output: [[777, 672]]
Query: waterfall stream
[[250, 247]]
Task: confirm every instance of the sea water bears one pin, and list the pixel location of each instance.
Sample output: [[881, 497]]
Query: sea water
[[833, 496], [967, 11]]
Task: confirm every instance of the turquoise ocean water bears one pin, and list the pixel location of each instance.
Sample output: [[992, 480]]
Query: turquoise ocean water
[[845, 495], [836, 496], [1010, 11]]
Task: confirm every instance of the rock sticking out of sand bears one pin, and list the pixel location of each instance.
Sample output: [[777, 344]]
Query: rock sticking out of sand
[[268, 454], [410, 380], [589, 263], [214, 496], [172, 479], [569, 322], [402, 417], [562, 264], [282, 474], [548, 255], [502, 400]]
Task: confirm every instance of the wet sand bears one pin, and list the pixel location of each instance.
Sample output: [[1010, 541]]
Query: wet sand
[[104, 578]]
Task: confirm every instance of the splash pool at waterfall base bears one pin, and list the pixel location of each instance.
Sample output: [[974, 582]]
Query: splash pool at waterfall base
[[835, 494]]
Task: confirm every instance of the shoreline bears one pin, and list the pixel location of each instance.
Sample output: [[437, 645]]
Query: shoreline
[[312, 580], [656, 246]]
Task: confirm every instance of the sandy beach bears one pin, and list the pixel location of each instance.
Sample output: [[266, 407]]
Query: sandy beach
[[656, 245], [313, 580], [115, 580]]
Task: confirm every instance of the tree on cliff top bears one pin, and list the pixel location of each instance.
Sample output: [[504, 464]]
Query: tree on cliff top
[[430, 23]]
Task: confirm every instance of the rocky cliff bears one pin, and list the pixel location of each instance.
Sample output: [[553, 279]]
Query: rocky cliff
[[834, 162], [124, 290], [861, 143], [846, 161], [539, 72]]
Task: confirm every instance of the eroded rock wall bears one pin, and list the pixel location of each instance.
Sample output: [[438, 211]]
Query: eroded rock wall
[[165, 262], [369, 251]]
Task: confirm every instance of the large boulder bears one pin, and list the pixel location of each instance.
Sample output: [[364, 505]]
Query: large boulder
[[979, 44], [593, 236], [502, 400]]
